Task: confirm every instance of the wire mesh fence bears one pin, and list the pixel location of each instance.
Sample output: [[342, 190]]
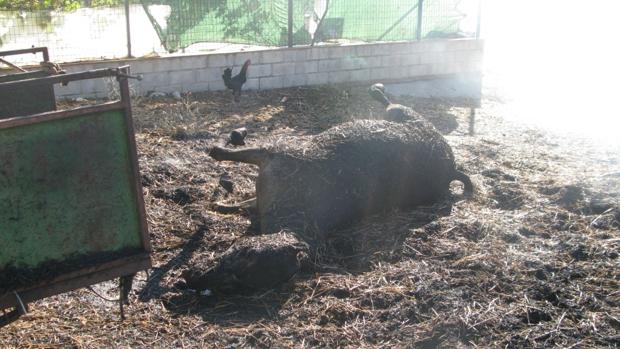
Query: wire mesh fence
[[97, 29]]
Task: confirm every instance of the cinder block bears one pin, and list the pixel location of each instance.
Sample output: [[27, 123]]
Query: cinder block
[[363, 50], [341, 51], [380, 73], [251, 84], [169, 88], [317, 78], [320, 52], [193, 62], [167, 64], [241, 57], [295, 55], [216, 85], [156, 78], [390, 61], [72, 89], [259, 70], [349, 63], [270, 82], [89, 88], [196, 87], [283, 69], [217, 60], [401, 48], [142, 66], [272, 56], [306, 67], [412, 59], [419, 70], [360, 75], [337, 77], [369, 62], [294, 80], [328, 65], [209, 74], [431, 58], [437, 46], [182, 77]]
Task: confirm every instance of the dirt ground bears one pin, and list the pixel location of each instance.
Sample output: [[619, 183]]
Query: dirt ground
[[531, 261]]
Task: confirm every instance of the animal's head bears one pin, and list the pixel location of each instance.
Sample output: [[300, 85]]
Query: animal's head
[[377, 91]]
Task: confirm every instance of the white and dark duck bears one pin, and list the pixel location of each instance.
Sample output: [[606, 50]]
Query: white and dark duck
[[394, 112], [235, 83]]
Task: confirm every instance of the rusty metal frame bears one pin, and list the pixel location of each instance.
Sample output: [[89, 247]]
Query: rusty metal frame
[[47, 90], [104, 271], [34, 50]]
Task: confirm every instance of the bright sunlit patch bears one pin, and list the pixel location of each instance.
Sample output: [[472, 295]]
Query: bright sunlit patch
[[556, 63]]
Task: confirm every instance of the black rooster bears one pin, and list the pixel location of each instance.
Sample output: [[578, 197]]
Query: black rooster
[[395, 112], [236, 82]]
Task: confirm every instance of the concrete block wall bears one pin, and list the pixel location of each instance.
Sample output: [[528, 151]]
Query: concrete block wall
[[287, 67]]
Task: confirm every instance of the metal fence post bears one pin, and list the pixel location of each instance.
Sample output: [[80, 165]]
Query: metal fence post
[[290, 23], [418, 33], [128, 29], [479, 19]]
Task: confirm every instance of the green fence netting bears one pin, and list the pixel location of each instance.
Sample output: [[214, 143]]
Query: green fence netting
[[181, 23]]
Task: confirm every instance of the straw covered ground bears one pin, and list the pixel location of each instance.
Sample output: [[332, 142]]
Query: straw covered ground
[[530, 261]]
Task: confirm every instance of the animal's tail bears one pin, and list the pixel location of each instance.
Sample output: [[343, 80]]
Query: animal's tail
[[227, 77], [244, 69], [377, 91], [463, 178]]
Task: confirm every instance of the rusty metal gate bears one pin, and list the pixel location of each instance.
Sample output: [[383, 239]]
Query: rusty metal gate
[[71, 205]]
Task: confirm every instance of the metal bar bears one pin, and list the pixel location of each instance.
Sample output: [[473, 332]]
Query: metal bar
[[84, 277], [479, 19], [133, 157], [65, 78], [46, 55], [418, 32], [290, 23], [472, 121], [128, 28], [59, 115], [26, 50], [318, 26], [12, 65], [402, 18]]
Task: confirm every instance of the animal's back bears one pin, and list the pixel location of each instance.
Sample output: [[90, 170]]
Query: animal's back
[[353, 170]]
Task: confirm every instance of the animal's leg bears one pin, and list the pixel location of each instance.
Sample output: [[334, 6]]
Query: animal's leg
[[255, 156], [249, 205]]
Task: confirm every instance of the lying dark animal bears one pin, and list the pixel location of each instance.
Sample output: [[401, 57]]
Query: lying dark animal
[[311, 185], [253, 263]]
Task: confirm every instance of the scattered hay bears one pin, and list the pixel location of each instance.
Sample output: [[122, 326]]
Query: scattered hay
[[539, 273]]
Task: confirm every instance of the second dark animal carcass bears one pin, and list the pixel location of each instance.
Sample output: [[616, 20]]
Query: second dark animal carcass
[[313, 184]]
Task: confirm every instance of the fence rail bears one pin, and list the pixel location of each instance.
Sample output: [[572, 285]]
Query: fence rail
[[158, 27]]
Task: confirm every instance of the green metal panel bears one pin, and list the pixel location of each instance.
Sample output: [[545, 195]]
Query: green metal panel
[[66, 192]]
